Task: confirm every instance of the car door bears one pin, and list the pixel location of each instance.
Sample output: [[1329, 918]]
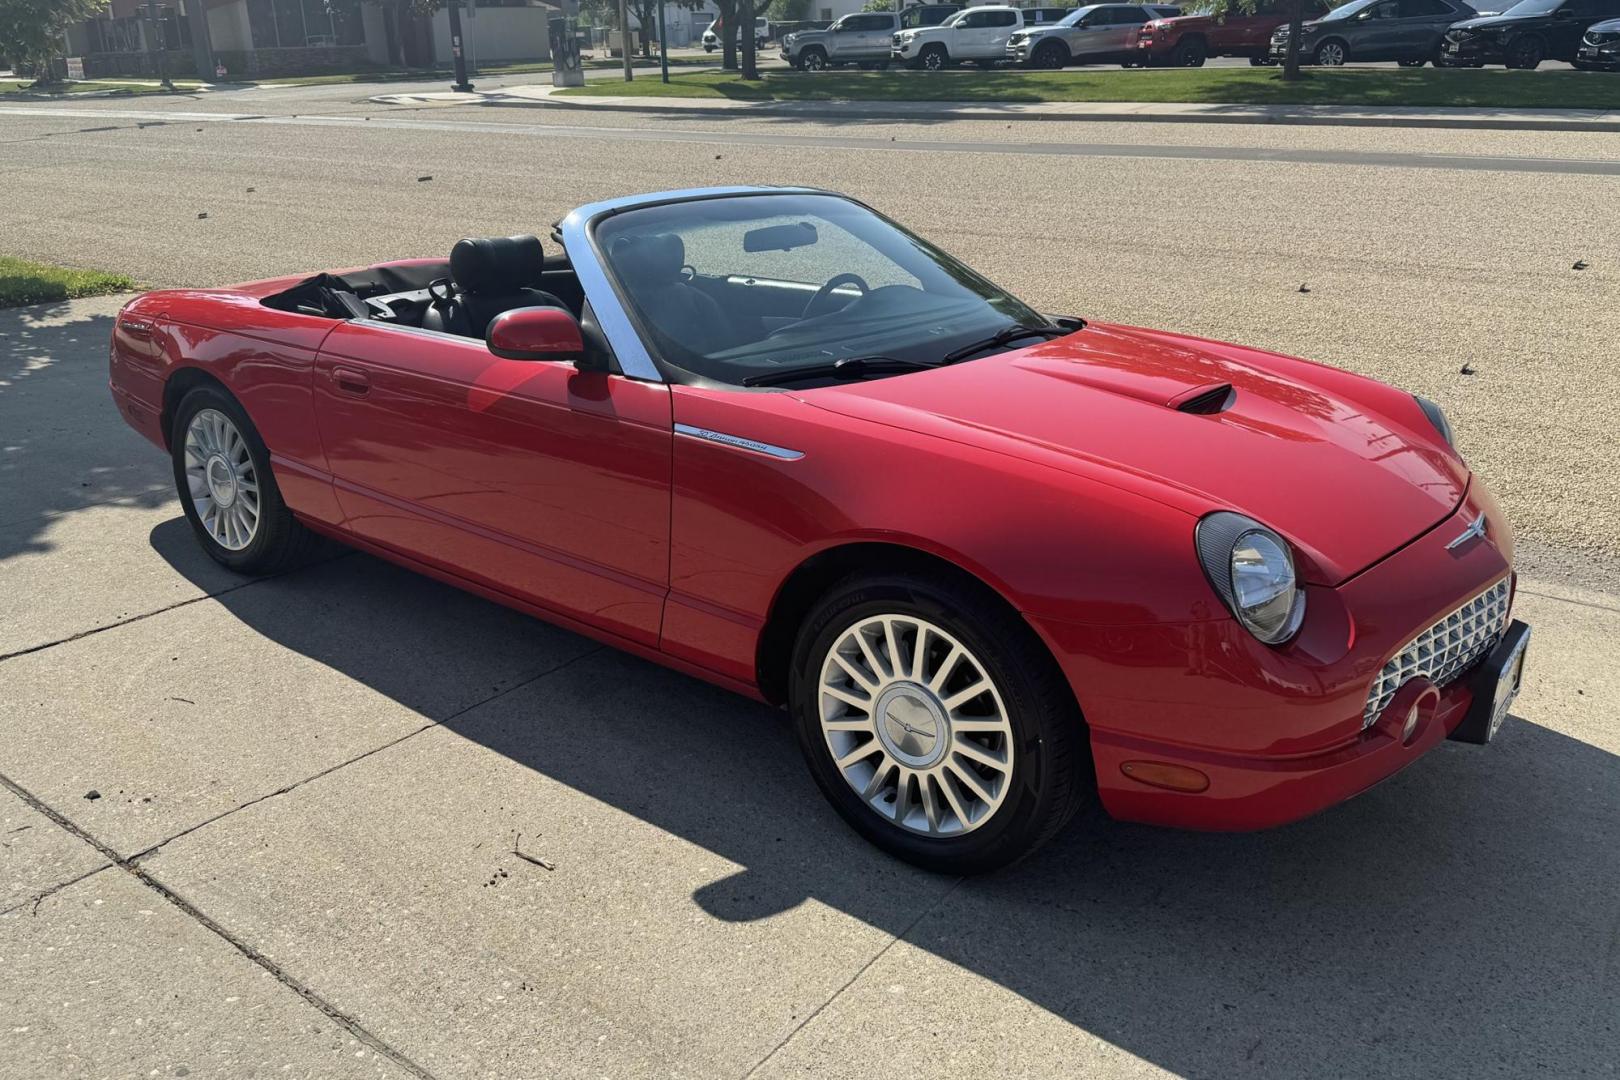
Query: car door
[[1570, 22], [1419, 28], [1089, 35], [868, 39], [542, 481], [999, 26], [1374, 31], [1124, 23], [968, 37]]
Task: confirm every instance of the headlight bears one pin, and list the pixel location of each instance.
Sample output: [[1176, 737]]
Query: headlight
[[1437, 418], [1252, 568]]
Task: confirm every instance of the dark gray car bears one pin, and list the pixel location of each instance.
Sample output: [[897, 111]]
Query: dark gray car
[[1409, 31]]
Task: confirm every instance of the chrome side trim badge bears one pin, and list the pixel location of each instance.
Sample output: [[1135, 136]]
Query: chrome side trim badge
[[781, 453], [1470, 531]]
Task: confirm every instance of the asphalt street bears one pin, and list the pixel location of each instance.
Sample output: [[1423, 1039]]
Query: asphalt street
[[253, 828]]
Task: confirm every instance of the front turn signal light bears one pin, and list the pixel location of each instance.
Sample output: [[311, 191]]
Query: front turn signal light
[[1162, 774]]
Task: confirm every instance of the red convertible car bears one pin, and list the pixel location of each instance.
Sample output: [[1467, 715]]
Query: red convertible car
[[996, 563]]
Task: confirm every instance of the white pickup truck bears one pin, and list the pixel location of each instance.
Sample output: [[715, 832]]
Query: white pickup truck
[[978, 34]]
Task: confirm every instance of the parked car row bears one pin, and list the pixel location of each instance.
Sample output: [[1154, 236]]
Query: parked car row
[[762, 34], [1446, 33]]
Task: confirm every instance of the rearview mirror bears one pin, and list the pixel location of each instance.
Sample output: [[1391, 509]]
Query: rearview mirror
[[536, 333], [780, 237]]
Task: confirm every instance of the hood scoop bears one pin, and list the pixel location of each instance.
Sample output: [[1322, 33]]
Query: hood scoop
[[1205, 400]]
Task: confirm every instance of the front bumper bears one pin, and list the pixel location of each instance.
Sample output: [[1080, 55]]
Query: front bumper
[[1606, 56], [1278, 733], [1019, 53], [1473, 51]]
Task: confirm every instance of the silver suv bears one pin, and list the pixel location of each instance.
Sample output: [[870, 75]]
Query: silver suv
[[861, 38], [1094, 32]]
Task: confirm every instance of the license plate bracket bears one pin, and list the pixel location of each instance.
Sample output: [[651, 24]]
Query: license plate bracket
[[1495, 684]]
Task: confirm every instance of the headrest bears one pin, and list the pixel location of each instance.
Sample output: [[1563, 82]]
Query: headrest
[[655, 257], [497, 264]]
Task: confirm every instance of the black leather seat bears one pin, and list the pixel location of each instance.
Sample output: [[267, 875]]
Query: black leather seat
[[488, 277], [651, 266]]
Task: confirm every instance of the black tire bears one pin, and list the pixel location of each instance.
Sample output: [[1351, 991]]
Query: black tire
[[1526, 52], [1051, 775], [1331, 53], [1190, 53], [814, 58], [934, 57], [1050, 55], [279, 541], [1411, 63], [1262, 61]]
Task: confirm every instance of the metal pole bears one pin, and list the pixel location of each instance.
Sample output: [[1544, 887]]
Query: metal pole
[[457, 53], [156, 29], [663, 44], [624, 39]]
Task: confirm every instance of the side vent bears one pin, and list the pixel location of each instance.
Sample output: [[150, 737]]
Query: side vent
[[1204, 400]]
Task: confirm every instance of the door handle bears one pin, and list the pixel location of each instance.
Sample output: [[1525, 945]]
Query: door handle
[[351, 381], [137, 328]]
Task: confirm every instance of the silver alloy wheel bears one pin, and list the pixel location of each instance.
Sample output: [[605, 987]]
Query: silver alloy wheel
[[915, 725], [1330, 55], [220, 480]]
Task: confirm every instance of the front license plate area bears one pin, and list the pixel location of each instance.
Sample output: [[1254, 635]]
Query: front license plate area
[[1496, 685]]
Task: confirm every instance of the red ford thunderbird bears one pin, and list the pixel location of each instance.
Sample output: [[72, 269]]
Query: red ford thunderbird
[[996, 563]]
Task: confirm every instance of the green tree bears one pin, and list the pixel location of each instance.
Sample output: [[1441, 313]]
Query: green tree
[[1296, 16], [31, 31]]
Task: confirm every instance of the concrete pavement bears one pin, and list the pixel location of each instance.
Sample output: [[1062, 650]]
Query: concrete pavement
[[256, 827]]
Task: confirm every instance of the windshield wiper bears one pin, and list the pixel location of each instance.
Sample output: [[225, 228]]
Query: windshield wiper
[[848, 367], [1002, 337]]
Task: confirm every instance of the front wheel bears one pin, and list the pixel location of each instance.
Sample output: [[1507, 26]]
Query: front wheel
[[934, 58], [1526, 53], [813, 60], [1331, 54], [1050, 55], [936, 723], [222, 474], [1190, 53]]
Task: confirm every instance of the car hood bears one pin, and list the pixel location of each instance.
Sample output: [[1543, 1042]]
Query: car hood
[[1291, 447], [1498, 22]]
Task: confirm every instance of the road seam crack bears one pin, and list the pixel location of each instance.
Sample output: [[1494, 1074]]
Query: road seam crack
[[864, 968]]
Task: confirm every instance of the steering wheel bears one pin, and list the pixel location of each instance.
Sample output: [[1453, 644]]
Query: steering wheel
[[820, 299]]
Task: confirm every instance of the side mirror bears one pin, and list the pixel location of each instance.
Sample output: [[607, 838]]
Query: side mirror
[[536, 333]]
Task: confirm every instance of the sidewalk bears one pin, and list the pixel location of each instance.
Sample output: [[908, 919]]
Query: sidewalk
[[539, 96]]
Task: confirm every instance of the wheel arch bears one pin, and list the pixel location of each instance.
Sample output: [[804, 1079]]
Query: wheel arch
[[1333, 39], [808, 581], [182, 381]]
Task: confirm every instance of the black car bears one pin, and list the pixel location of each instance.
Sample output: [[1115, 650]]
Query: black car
[[1409, 31], [1526, 34], [1600, 48]]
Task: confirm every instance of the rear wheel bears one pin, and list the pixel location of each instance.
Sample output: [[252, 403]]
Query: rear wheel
[[813, 59], [1526, 52], [1262, 61], [222, 474], [934, 58], [1050, 55], [936, 723], [1331, 54], [1411, 63], [1190, 53]]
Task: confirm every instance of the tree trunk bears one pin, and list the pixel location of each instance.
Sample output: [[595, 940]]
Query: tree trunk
[[745, 24], [1296, 16], [396, 53]]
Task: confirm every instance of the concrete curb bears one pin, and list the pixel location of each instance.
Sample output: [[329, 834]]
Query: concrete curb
[[1105, 112]]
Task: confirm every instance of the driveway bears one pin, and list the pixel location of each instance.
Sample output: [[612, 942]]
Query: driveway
[[256, 828]]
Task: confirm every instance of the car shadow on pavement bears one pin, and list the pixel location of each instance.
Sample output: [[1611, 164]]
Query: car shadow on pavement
[[1457, 920], [63, 446]]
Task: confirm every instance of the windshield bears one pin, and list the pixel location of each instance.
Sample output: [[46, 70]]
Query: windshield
[[755, 285], [1076, 15], [1344, 11], [1534, 7]]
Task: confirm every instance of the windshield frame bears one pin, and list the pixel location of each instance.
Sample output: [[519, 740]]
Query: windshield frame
[[635, 346]]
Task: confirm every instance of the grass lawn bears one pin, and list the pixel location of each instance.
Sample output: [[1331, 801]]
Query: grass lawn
[[87, 86], [23, 282], [487, 71], [1232, 86]]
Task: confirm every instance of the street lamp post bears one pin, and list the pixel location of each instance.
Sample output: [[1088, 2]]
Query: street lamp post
[[624, 39], [663, 44], [457, 52]]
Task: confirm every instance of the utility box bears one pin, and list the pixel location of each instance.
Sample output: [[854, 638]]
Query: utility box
[[566, 70]]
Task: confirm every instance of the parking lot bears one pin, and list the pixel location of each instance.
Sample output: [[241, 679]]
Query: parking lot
[[257, 828]]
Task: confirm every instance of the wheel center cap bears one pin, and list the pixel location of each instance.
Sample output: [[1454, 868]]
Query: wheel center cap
[[912, 725], [221, 481]]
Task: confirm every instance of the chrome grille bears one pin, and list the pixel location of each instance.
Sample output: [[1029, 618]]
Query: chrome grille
[[1443, 651]]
